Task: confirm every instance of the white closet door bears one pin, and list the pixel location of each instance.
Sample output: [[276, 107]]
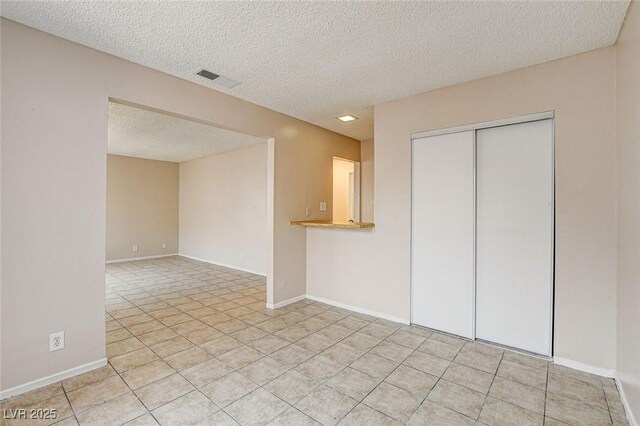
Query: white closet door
[[442, 293], [515, 235]]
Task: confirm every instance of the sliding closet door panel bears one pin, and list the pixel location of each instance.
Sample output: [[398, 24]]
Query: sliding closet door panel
[[442, 233], [515, 235]]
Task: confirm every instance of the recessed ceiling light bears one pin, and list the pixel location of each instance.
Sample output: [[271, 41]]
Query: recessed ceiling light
[[346, 118]]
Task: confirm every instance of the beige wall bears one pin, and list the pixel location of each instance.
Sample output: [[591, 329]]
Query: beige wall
[[371, 269], [142, 207], [54, 139], [223, 208], [628, 154], [366, 181]]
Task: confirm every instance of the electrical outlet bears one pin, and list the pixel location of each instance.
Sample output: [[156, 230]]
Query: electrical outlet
[[164, 245], [307, 211], [323, 206], [56, 341], [135, 247]]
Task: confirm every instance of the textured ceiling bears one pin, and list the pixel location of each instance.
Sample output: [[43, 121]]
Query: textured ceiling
[[319, 60], [140, 133]]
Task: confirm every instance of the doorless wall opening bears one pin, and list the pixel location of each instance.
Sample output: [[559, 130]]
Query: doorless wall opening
[[346, 190], [186, 187]]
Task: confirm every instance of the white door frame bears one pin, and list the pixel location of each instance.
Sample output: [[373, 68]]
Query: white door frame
[[484, 125]]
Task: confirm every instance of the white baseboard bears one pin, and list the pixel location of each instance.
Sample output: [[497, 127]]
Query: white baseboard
[[20, 389], [599, 371], [237, 268], [132, 259], [359, 310], [625, 402], [286, 302]]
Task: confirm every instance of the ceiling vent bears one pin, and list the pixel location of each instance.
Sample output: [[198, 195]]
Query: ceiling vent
[[221, 80], [208, 74]]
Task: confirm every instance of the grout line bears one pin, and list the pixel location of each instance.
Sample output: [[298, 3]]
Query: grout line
[[188, 280], [490, 386], [233, 369], [132, 392], [195, 388], [441, 378], [73, 411], [546, 395], [317, 353]]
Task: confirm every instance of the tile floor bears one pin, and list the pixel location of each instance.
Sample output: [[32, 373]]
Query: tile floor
[[192, 343]]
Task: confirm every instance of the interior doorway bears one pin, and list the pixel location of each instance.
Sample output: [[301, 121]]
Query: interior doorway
[[176, 186], [189, 230], [346, 190]]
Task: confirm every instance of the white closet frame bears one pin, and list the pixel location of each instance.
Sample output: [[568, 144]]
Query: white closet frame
[[475, 127]]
